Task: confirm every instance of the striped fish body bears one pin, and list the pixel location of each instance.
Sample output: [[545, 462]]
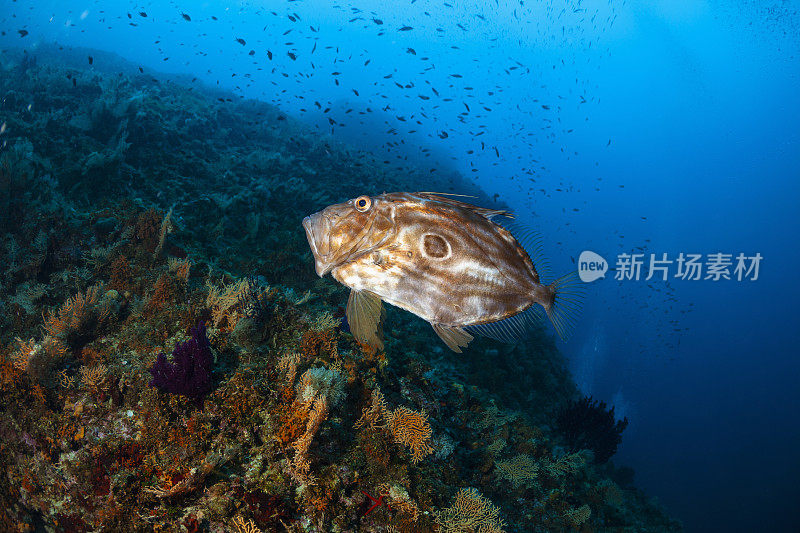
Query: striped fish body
[[444, 260]]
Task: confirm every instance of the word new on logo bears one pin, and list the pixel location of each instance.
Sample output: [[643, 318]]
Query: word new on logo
[[591, 266]]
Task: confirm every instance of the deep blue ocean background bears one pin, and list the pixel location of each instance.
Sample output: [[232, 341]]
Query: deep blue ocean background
[[642, 126]]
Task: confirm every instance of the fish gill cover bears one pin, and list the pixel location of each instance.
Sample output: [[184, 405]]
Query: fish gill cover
[[119, 235]]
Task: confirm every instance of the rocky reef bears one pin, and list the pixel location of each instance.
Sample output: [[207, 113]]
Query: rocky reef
[[169, 360]]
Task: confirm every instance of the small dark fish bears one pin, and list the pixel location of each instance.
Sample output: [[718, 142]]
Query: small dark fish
[[377, 21], [251, 53], [411, 51], [291, 55], [187, 17], [406, 28], [142, 14], [241, 41], [22, 33], [269, 54], [91, 60]]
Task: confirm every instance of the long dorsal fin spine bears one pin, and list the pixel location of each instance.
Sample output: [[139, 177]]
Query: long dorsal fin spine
[[485, 212]]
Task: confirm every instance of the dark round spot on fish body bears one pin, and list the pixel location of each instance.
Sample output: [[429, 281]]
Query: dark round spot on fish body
[[435, 247]]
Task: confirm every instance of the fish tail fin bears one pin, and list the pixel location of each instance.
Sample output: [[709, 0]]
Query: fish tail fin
[[567, 297]]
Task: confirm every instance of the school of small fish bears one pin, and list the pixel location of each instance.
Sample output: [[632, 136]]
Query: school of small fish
[[404, 110]]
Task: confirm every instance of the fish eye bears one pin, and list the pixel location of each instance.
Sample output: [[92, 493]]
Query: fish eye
[[363, 203]]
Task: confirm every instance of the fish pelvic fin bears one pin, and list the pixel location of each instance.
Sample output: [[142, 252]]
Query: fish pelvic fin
[[453, 336], [563, 309], [365, 315]]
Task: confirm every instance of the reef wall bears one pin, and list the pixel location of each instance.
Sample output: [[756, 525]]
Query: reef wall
[[169, 360]]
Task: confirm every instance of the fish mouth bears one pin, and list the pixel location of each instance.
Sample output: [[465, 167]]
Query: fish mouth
[[316, 227]]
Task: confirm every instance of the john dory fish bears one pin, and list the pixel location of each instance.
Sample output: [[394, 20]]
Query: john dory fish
[[444, 260]]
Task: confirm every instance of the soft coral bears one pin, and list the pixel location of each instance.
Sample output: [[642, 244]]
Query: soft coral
[[189, 374], [589, 425]]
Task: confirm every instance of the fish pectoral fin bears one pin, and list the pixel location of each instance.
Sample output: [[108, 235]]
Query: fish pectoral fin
[[453, 336], [365, 314]]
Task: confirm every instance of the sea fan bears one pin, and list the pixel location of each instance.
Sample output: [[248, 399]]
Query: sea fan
[[189, 373], [589, 425]]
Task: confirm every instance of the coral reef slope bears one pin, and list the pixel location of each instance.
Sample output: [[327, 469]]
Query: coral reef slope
[[169, 360]]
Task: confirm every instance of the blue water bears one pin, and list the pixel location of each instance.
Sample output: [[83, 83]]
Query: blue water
[[651, 127]]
